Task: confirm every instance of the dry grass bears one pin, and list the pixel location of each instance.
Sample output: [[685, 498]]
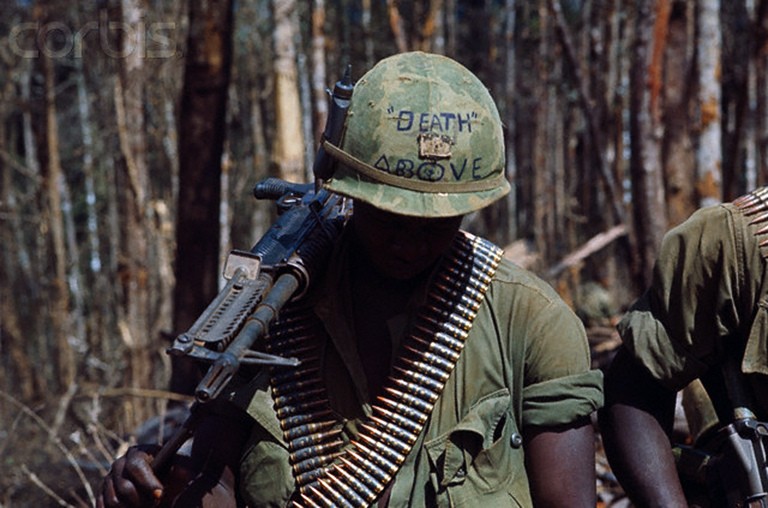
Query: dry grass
[[55, 454]]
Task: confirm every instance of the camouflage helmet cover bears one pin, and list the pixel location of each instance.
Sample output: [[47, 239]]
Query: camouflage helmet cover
[[423, 137]]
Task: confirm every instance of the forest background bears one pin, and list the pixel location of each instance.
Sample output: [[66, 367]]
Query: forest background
[[132, 132]]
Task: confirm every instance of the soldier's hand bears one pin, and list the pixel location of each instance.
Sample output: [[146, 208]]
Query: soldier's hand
[[131, 481]]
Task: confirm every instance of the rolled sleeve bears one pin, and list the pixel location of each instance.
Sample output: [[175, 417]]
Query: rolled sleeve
[[562, 400], [557, 385], [670, 362], [701, 297]]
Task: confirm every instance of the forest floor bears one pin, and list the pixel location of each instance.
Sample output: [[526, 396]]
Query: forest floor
[[43, 466], [55, 454], [35, 473]]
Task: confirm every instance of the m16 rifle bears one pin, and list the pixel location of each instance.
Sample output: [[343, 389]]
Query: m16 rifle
[[278, 268], [729, 467]]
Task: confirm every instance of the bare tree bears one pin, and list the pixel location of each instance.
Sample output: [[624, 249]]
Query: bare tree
[[16, 264], [288, 147], [397, 26], [317, 59], [709, 153], [759, 59], [201, 144], [678, 154], [135, 269], [54, 186], [646, 129]]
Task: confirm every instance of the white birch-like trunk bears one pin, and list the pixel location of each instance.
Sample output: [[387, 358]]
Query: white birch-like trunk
[[709, 155], [288, 151]]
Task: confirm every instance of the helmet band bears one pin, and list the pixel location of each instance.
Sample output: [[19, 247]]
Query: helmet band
[[410, 183]]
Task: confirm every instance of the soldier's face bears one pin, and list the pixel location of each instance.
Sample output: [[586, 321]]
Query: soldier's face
[[399, 246]]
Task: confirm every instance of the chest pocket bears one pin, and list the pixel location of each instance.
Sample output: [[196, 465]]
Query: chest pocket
[[480, 460]]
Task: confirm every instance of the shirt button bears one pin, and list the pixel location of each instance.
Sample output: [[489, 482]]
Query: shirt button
[[516, 440]]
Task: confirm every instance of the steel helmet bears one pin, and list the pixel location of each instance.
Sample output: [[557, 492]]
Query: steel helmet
[[423, 138]]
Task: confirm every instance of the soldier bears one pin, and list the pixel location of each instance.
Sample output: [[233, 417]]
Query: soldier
[[434, 371], [702, 322]]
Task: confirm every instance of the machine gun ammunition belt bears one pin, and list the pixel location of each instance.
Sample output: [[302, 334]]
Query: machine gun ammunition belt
[[755, 205], [326, 472]]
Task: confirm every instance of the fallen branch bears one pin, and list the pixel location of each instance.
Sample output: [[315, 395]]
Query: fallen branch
[[128, 391], [592, 245]]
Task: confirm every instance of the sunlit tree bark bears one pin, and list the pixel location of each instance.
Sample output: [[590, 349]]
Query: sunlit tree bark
[[317, 58], [397, 26], [288, 147], [709, 154]]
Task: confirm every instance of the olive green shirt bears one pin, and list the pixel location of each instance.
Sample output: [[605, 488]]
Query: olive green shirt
[[526, 363], [707, 297]]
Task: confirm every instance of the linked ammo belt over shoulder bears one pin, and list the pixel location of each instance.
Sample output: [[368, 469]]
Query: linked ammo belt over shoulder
[[326, 472], [755, 205]]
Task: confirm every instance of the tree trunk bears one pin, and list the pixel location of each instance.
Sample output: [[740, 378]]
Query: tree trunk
[[19, 371], [540, 202], [397, 26], [678, 154], [135, 269], [30, 260], [709, 155], [760, 58], [451, 30], [54, 184], [646, 131], [590, 111], [367, 34], [288, 148], [201, 144], [319, 79], [508, 112], [526, 105], [92, 229], [735, 97]]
